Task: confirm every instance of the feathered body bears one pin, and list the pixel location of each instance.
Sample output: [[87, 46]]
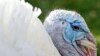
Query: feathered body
[[70, 33], [21, 32]]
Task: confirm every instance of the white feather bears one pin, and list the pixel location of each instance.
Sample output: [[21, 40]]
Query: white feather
[[21, 32]]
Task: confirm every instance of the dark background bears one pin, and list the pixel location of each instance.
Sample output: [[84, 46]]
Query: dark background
[[89, 9]]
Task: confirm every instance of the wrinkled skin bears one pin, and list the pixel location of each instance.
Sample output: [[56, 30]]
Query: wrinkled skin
[[70, 34]]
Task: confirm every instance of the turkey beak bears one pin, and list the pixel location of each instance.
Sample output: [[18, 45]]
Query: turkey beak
[[89, 42]]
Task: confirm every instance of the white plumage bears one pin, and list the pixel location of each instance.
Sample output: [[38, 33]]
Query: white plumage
[[21, 32]]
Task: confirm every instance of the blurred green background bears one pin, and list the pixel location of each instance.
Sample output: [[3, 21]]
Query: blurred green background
[[89, 9]]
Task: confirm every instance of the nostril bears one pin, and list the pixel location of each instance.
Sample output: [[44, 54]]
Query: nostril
[[78, 42]]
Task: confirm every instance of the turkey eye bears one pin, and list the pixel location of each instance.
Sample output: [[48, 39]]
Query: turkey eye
[[76, 27]]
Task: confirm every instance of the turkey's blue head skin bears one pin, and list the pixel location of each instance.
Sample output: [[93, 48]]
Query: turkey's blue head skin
[[70, 24]]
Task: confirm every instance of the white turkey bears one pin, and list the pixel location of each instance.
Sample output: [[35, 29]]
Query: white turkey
[[21, 32]]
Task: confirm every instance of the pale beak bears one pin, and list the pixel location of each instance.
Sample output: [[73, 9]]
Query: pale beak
[[89, 42], [88, 45]]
